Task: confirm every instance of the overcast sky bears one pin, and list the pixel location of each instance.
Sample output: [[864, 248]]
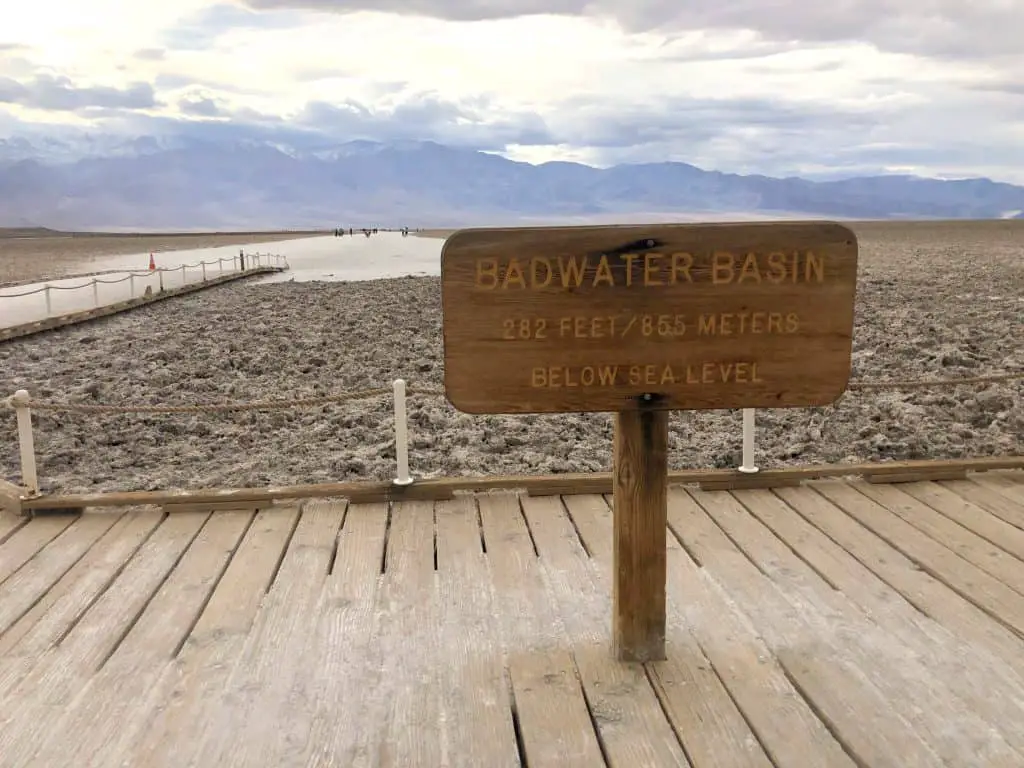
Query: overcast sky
[[932, 87]]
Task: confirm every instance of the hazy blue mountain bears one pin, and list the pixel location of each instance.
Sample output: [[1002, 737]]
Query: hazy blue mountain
[[96, 182]]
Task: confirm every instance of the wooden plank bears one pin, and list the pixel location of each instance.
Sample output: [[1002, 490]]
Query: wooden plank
[[553, 716], [272, 663], [926, 593], [10, 502], [992, 689], [53, 616], [741, 480], [472, 680], [554, 721], [986, 498], [640, 464], [970, 546], [9, 524], [918, 476], [23, 545], [31, 583], [859, 715], [61, 673], [328, 713], [444, 488], [105, 713], [188, 695], [970, 516], [1010, 485], [704, 712], [216, 506], [404, 727], [735, 701], [629, 719], [987, 592], [569, 319], [890, 658]]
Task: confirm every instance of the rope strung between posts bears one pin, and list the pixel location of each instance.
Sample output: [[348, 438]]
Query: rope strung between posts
[[368, 394], [139, 273]]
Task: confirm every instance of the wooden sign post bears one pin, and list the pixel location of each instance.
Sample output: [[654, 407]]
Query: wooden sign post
[[640, 320]]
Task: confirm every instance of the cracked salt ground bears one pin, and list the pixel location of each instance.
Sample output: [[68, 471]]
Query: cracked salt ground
[[254, 342]]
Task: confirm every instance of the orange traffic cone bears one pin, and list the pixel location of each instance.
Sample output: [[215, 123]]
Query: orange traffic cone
[[152, 264]]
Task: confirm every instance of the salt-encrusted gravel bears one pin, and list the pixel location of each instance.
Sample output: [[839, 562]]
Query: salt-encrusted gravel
[[931, 303]]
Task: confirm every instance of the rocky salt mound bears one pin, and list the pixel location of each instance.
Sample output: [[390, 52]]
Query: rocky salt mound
[[924, 310]]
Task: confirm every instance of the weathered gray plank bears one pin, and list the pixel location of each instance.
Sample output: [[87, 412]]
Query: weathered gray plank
[[107, 713], [629, 718]]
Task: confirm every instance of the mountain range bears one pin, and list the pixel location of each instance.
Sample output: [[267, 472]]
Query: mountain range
[[150, 183]]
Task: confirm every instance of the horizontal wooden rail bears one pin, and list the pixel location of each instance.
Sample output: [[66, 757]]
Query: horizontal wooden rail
[[85, 315], [535, 485]]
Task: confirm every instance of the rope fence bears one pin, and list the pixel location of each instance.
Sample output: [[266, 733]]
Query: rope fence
[[176, 276], [22, 404]]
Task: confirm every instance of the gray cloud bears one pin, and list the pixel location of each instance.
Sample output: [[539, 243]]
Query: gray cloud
[[200, 30], [150, 54], [201, 106], [61, 94], [929, 27], [427, 116]]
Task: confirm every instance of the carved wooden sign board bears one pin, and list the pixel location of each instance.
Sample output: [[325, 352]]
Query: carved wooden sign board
[[626, 318]]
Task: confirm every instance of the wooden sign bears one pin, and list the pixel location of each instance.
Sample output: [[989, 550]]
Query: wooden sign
[[674, 317]]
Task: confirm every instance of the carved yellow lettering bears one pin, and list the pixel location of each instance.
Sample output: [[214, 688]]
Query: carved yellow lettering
[[814, 268], [774, 322], [723, 265], [514, 274], [750, 270], [757, 321], [792, 322], [572, 270], [725, 323], [652, 266], [629, 258], [535, 265], [681, 264], [487, 273], [776, 267], [539, 377], [603, 273], [706, 325]]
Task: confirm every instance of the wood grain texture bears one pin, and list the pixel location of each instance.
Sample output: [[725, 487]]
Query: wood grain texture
[[576, 319], [640, 488], [443, 488]]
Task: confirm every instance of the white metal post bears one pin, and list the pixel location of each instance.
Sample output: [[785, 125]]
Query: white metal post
[[26, 443], [203, 265], [183, 274], [220, 265], [131, 285], [401, 435], [748, 465], [95, 292], [161, 273], [49, 306]]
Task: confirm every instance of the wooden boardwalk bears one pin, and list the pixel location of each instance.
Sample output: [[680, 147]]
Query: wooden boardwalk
[[834, 624]]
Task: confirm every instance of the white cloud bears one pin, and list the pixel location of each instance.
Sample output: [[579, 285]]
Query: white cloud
[[866, 86]]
